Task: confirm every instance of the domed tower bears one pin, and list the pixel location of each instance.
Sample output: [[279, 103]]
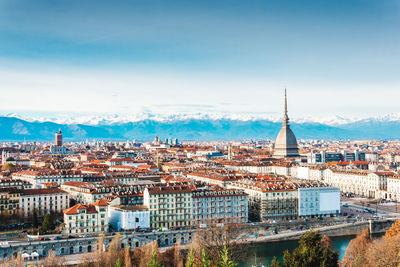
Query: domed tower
[[286, 142]]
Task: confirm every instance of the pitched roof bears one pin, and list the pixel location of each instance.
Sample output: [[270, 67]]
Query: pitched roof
[[101, 202], [75, 209]]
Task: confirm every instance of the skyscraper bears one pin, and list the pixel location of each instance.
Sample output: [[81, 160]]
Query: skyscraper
[[59, 141], [286, 142]]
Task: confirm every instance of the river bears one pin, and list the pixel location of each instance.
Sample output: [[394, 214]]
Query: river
[[264, 252]]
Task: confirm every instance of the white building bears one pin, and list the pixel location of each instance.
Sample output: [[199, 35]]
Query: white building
[[86, 219], [129, 217], [44, 200], [36, 178], [318, 201], [363, 183]]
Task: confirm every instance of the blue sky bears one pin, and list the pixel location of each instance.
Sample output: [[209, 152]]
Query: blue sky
[[335, 57]]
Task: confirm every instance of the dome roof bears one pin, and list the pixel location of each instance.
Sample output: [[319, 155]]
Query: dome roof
[[286, 139], [10, 159], [286, 142]]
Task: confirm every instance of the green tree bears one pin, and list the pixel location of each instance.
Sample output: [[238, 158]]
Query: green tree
[[35, 220], [153, 260], [205, 260], [311, 252], [48, 223], [118, 263], [275, 262], [190, 260], [224, 259]]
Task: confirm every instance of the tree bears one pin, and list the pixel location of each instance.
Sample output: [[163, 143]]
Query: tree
[[127, 258], [53, 260], [356, 250], [114, 250], [48, 223], [190, 260], [214, 239], [118, 263], [383, 252], [205, 260], [8, 167], [153, 260], [275, 262], [225, 260], [393, 230], [35, 220], [100, 254], [311, 252]]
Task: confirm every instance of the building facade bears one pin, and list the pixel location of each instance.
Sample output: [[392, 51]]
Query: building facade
[[86, 219], [44, 200], [127, 218], [219, 206], [169, 205]]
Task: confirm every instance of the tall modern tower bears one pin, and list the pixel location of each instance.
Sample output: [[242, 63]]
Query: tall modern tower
[[59, 141], [286, 142]]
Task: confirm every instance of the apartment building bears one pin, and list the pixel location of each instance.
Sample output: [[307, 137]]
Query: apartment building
[[219, 206], [10, 200], [37, 177], [393, 188], [44, 200], [363, 183], [269, 201], [212, 178], [7, 183], [170, 205], [87, 193], [86, 219]]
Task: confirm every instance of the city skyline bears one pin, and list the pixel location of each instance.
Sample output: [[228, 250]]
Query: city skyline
[[213, 58]]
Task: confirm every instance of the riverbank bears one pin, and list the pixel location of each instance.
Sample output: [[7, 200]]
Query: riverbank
[[345, 229]]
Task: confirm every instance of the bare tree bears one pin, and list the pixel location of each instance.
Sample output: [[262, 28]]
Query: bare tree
[[127, 257], [53, 260], [18, 261], [215, 239], [114, 250], [100, 253], [355, 253]]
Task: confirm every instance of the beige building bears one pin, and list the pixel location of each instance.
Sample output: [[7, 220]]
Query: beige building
[[9, 201], [269, 201], [362, 183]]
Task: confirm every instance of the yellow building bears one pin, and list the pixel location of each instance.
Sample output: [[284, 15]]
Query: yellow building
[[9, 200]]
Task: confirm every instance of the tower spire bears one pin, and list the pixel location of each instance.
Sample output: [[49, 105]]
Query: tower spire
[[285, 116]]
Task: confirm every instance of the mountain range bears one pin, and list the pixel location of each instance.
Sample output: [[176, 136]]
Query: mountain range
[[200, 127]]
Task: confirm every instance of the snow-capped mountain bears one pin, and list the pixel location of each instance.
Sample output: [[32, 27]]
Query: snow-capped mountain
[[194, 126], [110, 119]]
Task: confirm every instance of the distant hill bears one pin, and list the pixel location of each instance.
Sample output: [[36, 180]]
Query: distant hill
[[17, 129]]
